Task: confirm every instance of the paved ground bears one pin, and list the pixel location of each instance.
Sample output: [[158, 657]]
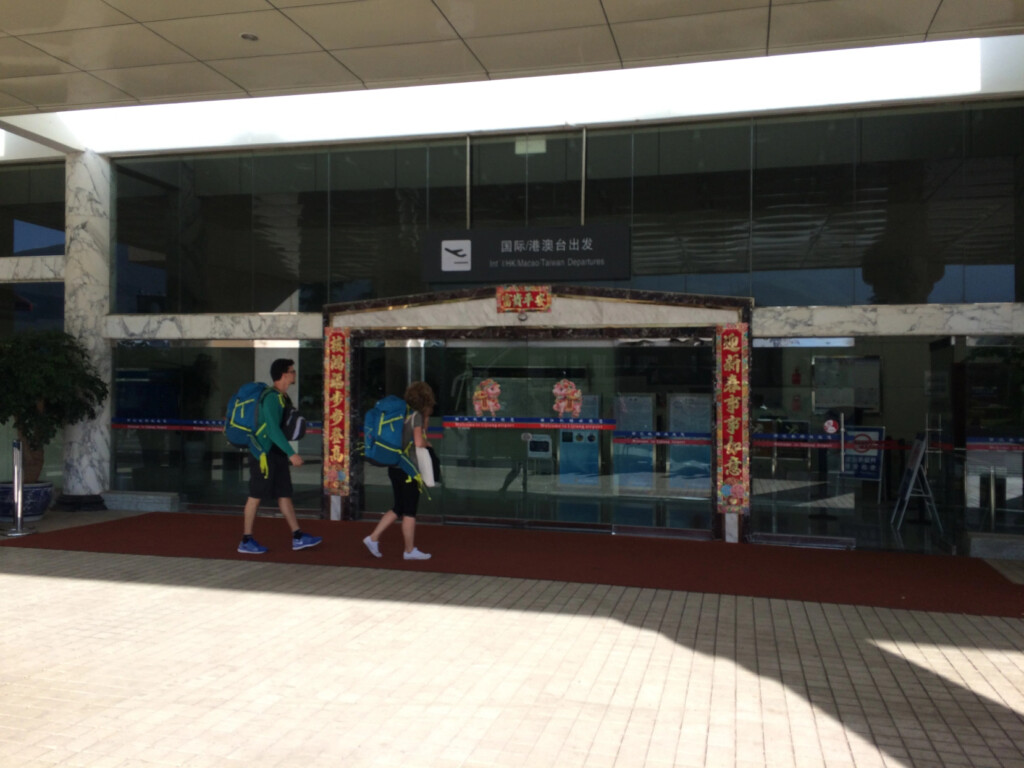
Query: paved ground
[[121, 661]]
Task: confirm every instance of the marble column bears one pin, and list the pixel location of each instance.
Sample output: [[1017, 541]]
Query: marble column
[[86, 306]]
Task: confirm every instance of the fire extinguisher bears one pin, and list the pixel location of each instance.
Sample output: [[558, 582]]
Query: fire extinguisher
[[795, 378], [796, 404]]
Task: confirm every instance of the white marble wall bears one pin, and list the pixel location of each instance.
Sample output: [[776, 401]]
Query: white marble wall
[[884, 320], [768, 322], [86, 305], [32, 269], [239, 327]]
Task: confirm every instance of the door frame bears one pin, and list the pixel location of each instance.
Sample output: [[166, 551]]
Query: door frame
[[568, 312]]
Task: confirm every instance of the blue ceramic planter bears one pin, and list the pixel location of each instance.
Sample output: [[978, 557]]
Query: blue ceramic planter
[[35, 500]]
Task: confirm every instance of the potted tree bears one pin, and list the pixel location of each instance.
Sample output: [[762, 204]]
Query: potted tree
[[49, 382]]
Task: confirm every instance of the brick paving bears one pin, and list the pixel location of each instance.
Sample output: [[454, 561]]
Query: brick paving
[[117, 661]]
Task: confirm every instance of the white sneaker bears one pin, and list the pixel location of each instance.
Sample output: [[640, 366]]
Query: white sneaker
[[373, 546], [416, 555]]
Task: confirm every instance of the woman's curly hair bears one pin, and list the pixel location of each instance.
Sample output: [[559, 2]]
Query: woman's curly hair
[[420, 396]]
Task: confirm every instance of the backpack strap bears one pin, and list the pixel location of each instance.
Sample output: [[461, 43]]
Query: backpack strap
[[406, 463], [264, 467]]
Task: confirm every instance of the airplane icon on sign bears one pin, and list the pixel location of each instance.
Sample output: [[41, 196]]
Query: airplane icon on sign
[[456, 255]]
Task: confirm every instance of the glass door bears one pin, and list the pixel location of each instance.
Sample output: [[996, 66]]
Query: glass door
[[816, 439], [989, 414], [570, 433], [840, 427]]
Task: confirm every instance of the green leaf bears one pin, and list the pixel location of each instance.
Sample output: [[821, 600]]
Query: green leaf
[[49, 382]]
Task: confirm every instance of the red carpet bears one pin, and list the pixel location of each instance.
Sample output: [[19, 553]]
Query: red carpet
[[881, 579]]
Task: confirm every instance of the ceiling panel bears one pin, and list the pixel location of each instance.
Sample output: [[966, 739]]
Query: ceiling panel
[[73, 89], [957, 15], [19, 59], [372, 23], [645, 10], [838, 45], [503, 17], [830, 21], [441, 61], [693, 36], [220, 37], [169, 80], [981, 32], [158, 10], [390, 42], [296, 3], [564, 50], [125, 45], [25, 17], [288, 73], [10, 105]]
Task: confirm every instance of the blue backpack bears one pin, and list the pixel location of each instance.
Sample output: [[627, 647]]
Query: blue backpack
[[382, 432], [242, 426], [383, 428]]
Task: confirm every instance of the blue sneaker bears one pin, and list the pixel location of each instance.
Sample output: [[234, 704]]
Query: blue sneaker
[[305, 541], [251, 547]]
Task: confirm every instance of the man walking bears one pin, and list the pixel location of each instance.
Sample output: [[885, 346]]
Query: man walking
[[281, 457]]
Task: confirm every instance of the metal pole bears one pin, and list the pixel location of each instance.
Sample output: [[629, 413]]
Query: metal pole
[[775, 468], [19, 487], [842, 442], [927, 438], [583, 180], [469, 184], [992, 496], [19, 484]]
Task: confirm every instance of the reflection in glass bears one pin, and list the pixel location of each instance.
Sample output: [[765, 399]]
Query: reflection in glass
[[168, 403], [32, 209], [691, 203], [289, 231], [31, 306], [907, 206], [527, 181], [593, 433], [382, 199]]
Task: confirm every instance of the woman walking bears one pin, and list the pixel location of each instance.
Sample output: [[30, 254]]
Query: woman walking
[[420, 398]]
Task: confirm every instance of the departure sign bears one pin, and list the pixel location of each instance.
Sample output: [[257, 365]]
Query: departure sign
[[593, 252]]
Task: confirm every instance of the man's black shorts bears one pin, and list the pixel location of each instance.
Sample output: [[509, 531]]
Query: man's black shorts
[[278, 482]]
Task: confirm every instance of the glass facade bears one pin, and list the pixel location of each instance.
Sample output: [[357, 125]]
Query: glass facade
[[897, 207], [381, 201], [685, 192], [856, 208], [900, 207], [23, 307], [526, 181], [612, 467], [833, 425], [31, 306], [280, 232], [956, 398], [32, 209], [168, 412]]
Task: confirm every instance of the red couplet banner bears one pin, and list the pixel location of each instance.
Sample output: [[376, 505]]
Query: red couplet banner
[[337, 453], [732, 393]]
